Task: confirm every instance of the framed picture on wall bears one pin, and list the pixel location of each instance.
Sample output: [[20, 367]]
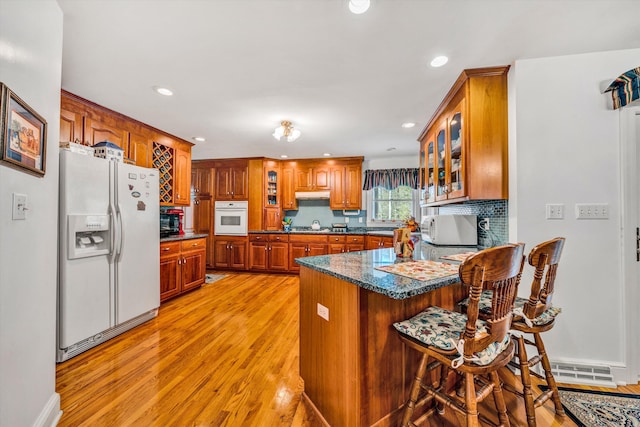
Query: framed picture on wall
[[24, 134]]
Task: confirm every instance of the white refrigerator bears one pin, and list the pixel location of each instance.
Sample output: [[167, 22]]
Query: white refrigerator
[[109, 255]]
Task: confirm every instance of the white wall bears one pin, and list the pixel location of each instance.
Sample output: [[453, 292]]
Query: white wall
[[566, 149], [30, 64]]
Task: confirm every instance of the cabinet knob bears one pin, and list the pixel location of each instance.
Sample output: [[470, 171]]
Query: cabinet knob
[[165, 249]]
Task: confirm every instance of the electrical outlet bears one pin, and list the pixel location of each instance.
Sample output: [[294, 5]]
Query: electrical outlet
[[323, 312], [486, 224], [346, 220], [555, 211], [592, 211], [19, 206], [360, 220]]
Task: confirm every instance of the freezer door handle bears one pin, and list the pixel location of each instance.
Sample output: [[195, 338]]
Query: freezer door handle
[[119, 234], [112, 234]]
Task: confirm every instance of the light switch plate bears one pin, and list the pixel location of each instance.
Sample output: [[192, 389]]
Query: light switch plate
[[19, 210], [555, 211]]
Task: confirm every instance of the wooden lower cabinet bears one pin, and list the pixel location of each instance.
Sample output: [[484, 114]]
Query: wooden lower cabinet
[[378, 242], [269, 252], [182, 266], [230, 253], [302, 245], [345, 243]]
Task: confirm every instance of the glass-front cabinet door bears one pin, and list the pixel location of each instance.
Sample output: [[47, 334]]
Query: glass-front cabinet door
[[440, 170], [455, 163], [272, 183], [431, 170], [423, 174]]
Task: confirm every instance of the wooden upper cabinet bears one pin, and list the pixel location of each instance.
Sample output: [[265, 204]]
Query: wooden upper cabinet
[[232, 182], [467, 137], [97, 131], [71, 126], [287, 188], [182, 177], [139, 150], [201, 181], [346, 186], [312, 176]]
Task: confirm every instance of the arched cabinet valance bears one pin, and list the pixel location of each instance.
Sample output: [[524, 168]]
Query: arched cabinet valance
[[625, 88]]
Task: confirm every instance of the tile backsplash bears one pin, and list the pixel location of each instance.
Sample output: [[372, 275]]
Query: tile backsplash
[[494, 210], [310, 210]]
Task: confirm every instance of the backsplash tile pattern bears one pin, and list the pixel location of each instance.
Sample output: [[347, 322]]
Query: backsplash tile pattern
[[495, 210]]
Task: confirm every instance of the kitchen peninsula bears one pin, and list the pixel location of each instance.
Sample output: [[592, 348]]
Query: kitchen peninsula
[[356, 371]]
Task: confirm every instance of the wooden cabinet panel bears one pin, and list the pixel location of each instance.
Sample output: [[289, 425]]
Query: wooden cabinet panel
[[201, 181], [71, 126], [230, 253], [232, 183], [296, 250], [312, 176], [378, 242], [182, 177], [139, 150], [268, 252], [96, 131], [182, 266], [272, 220], [258, 256], [288, 200], [169, 276], [346, 186], [278, 256]]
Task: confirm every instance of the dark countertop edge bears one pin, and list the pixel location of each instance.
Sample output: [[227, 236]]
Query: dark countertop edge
[[428, 286], [364, 232], [186, 236]]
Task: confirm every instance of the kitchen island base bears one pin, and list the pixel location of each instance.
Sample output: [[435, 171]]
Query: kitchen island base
[[355, 369]]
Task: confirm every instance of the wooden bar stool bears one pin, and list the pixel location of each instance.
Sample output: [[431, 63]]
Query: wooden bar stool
[[473, 348], [534, 316]]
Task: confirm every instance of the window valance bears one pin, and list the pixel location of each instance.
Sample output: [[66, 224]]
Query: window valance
[[391, 178], [626, 88]]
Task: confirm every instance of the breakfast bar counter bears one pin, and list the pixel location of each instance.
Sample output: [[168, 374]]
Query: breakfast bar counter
[[356, 371]]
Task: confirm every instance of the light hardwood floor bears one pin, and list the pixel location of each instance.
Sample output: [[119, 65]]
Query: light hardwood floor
[[223, 355]]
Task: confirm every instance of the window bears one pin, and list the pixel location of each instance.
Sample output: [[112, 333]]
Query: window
[[394, 206]]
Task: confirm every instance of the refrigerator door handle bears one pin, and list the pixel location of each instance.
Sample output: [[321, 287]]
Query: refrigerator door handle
[[118, 247], [113, 234]]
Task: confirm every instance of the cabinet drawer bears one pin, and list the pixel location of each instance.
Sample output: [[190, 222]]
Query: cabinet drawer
[[258, 237], [169, 248], [278, 238], [193, 244], [337, 239], [308, 238], [354, 239]]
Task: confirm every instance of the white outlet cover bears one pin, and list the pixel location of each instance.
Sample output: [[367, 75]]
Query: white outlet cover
[[323, 312]]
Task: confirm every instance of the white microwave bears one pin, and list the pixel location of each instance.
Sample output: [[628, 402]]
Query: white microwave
[[454, 230], [231, 218]]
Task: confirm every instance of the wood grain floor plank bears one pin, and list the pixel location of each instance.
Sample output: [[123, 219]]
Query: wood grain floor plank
[[223, 355]]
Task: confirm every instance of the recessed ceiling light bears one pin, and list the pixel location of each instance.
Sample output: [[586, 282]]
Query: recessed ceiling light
[[327, 154], [283, 156], [198, 138], [439, 61], [163, 91], [359, 6], [408, 125], [391, 149]]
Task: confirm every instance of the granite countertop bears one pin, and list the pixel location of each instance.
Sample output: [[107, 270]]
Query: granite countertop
[[359, 268], [185, 236], [327, 230]]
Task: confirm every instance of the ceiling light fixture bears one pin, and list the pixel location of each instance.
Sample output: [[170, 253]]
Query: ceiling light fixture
[[327, 154], [198, 138], [408, 125], [287, 131], [439, 61], [359, 6], [163, 91], [283, 156]]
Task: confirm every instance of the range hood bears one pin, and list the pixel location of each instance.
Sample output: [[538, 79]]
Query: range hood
[[312, 195]]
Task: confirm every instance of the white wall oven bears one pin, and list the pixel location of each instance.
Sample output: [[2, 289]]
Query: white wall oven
[[231, 218]]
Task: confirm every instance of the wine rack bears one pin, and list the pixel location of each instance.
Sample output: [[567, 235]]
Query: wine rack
[[163, 161]]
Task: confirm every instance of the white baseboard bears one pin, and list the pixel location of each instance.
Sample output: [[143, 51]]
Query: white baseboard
[[50, 414]]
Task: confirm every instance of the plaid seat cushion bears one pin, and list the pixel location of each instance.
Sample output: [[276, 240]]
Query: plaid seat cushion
[[484, 306], [440, 328]]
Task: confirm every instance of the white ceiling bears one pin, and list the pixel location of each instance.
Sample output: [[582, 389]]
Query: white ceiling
[[239, 67]]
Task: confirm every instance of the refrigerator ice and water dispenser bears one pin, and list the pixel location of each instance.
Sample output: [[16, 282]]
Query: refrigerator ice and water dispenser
[[89, 235]]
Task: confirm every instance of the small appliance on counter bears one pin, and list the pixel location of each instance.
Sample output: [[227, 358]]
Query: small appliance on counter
[[339, 228], [171, 222], [454, 230], [315, 224]]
